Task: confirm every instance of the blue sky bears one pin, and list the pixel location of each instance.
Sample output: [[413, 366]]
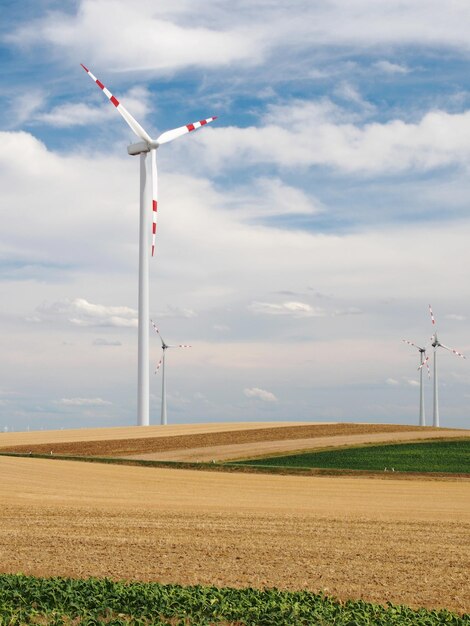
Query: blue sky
[[301, 236]]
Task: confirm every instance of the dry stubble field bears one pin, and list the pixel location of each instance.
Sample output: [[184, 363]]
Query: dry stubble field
[[402, 541]]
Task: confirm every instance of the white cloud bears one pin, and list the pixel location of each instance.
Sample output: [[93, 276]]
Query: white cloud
[[271, 196], [138, 37], [176, 311], [294, 309], [260, 394], [136, 100], [80, 312], [168, 37], [413, 383], [83, 402], [436, 140], [25, 106], [456, 316], [391, 68], [392, 381], [74, 114], [299, 309], [348, 92]]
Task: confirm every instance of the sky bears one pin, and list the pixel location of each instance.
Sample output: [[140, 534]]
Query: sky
[[301, 236]]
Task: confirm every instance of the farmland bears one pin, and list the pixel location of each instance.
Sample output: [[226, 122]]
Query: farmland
[[441, 456], [368, 539], [204, 442], [102, 601]]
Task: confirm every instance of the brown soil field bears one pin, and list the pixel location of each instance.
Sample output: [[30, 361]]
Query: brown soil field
[[254, 449], [129, 432], [225, 444], [399, 541]]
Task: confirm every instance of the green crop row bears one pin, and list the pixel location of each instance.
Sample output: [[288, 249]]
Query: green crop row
[[435, 456], [93, 602]]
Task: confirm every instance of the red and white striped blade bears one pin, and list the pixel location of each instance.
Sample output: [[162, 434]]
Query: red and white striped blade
[[158, 366], [133, 123], [456, 352], [157, 331], [425, 362], [169, 135], [410, 343], [432, 316], [153, 157], [182, 345]]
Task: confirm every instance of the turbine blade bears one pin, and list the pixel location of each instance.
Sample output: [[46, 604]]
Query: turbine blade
[[169, 135], [425, 362], [456, 352], [432, 316], [426, 359], [183, 346], [410, 343], [153, 156], [158, 332], [158, 366], [133, 123]]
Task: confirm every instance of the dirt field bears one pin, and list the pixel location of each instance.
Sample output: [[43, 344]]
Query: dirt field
[[193, 444], [250, 450], [402, 541], [131, 432]]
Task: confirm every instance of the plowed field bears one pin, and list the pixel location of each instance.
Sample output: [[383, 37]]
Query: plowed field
[[402, 541], [206, 443]]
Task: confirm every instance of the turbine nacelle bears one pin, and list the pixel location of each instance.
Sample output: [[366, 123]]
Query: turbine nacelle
[[138, 148], [142, 146]]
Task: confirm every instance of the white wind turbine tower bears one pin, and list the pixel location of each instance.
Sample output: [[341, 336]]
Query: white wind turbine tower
[[423, 359], [148, 202], [162, 363], [437, 344]]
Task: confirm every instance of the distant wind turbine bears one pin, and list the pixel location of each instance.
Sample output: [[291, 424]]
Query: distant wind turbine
[[437, 344], [148, 201], [423, 359], [162, 363]]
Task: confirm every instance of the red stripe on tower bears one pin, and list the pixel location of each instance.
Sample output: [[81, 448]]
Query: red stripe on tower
[[153, 250]]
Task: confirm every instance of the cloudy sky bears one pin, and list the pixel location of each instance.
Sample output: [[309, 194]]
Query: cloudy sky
[[301, 236]]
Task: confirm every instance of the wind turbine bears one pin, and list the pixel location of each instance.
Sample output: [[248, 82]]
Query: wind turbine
[[437, 344], [148, 201], [423, 359], [162, 363]]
